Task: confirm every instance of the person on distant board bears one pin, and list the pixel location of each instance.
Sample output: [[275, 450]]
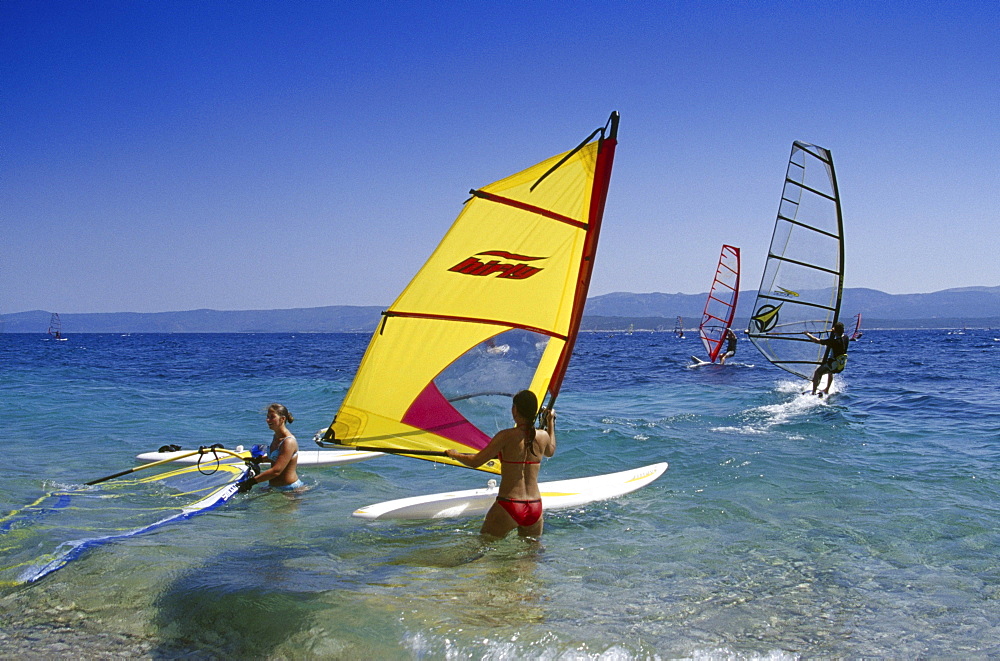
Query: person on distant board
[[520, 450], [283, 453], [730, 346], [836, 356]]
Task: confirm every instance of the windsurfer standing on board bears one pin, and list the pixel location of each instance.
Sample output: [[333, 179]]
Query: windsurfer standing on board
[[283, 453], [836, 358], [520, 450], [730, 346]]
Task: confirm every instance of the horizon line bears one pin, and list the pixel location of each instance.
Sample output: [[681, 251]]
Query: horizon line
[[352, 305]]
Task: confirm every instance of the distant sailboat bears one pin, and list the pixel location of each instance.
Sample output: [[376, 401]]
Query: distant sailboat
[[803, 278], [856, 333], [720, 308], [679, 327], [55, 327]]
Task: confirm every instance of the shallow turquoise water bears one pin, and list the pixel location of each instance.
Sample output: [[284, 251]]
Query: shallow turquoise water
[[786, 526]]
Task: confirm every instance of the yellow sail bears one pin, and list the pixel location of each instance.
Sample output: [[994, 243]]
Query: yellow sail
[[495, 310]]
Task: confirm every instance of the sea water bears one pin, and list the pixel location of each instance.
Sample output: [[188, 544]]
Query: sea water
[[862, 524]]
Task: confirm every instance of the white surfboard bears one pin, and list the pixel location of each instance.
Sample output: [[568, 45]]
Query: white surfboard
[[698, 362], [555, 495], [306, 457]]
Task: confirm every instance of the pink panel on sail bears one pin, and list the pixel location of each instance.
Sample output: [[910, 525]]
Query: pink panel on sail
[[431, 412]]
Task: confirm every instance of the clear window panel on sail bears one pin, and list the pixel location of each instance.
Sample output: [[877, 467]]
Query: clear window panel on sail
[[482, 381]]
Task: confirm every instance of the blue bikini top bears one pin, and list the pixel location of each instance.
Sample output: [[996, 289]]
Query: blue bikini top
[[273, 454]]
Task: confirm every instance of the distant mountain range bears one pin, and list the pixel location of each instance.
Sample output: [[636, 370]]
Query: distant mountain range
[[331, 319], [950, 308]]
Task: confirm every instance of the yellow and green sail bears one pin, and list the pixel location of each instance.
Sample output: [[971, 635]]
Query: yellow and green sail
[[496, 309]]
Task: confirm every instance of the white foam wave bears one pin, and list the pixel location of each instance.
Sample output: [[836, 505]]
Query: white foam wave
[[551, 647], [771, 415]]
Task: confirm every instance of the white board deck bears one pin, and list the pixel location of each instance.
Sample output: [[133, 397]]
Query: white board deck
[[306, 457], [555, 495]]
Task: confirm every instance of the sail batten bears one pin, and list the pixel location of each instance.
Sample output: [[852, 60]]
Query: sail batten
[[527, 207], [789, 260], [802, 284], [475, 320], [821, 306], [494, 310], [811, 190], [809, 227]]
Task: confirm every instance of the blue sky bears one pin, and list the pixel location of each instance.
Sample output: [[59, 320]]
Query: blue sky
[[239, 155]]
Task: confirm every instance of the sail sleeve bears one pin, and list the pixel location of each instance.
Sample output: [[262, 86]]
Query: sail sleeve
[[494, 310], [720, 308], [803, 276]]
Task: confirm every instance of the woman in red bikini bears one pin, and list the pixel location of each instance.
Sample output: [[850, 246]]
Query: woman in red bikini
[[520, 450]]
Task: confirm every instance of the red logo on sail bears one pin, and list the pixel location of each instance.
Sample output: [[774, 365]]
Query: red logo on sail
[[510, 265]]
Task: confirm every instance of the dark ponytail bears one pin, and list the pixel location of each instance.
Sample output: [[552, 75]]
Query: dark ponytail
[[283, 412], [526, 405]]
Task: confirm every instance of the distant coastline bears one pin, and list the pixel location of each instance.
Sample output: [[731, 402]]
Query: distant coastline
[[659, 325], [968, 307]]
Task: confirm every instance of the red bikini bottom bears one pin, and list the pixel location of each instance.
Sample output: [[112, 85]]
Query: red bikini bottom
[[524, 512]]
